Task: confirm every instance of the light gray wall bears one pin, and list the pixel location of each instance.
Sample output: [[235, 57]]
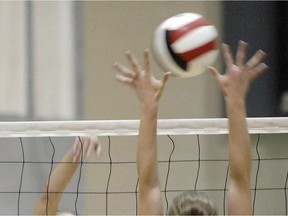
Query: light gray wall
[[38, 82]]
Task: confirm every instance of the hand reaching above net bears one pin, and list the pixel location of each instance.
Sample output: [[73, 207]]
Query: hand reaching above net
[[239, 74], [146, 86]]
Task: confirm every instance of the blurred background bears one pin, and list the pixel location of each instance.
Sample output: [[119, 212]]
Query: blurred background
[[56, 62], [57, 56]]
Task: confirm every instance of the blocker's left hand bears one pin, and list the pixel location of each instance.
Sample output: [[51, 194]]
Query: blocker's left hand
[[85, 146], [147, 87]]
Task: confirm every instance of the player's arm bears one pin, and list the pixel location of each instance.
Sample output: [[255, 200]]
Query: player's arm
[[63, 173], [148, 90], [234, 85]]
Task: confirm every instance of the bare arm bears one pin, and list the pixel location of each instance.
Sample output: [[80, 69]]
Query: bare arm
[[239, 193], [150, 200], [234, 85], [63, 173], [149, 91]]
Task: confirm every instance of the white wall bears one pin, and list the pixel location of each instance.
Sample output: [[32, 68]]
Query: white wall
[[54, 63], [38, 82], [38, 60], [13, 59]]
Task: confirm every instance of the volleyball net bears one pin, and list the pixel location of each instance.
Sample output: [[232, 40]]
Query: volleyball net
[[193, 155]]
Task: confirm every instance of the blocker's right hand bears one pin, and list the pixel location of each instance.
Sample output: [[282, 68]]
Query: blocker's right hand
[[85, 146], [239, 74], [146, 86]]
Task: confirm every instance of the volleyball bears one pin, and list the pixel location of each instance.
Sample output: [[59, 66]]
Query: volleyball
[[185, 44]]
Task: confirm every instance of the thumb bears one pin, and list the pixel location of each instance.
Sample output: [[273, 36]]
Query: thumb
[[163, 84], [213, 71], [165, 78]]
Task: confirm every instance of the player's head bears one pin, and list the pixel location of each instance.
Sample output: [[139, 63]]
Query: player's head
[[66, 213], [192, 203]]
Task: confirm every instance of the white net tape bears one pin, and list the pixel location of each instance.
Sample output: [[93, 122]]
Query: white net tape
[[130, 127]]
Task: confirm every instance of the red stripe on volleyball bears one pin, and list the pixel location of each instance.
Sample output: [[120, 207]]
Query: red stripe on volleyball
[[178, 33], [192, 54]]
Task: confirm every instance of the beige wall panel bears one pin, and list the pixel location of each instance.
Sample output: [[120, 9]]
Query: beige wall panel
[[111, 28]]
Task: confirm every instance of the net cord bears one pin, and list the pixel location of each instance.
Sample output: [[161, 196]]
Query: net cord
[[168, 172], [257, 173], [79, 178], [109, 176], [199, 163], [225, 189], [50, 173], [21, 177], [285, 193], [131, 127], [136, 197]]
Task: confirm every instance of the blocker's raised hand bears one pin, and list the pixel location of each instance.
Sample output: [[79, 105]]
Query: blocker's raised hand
[[84, 147], [146, 86], [239, 74]]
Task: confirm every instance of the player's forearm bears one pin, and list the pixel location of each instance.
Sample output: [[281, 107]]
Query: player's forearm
[[147, 147], [63, 173], [59, 179], [239, 140]]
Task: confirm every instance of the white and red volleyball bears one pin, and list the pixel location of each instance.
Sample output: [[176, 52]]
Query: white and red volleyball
[[185, 44]]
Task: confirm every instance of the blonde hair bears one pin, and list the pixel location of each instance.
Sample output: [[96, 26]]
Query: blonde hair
[[192, 203]]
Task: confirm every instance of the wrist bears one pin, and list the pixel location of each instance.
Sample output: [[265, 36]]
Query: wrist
[[235, 101], [149, 109], [235, 105], [151, 105]]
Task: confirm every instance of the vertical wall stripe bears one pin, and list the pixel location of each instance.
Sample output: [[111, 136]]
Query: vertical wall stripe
[[29, 59], [79, 61]]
